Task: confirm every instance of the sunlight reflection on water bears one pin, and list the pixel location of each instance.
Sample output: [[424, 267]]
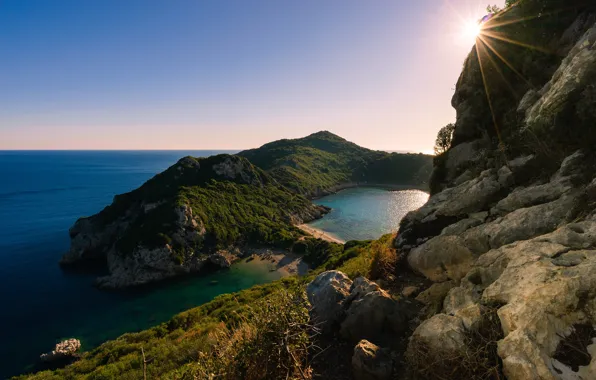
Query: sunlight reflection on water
[[367, 213]]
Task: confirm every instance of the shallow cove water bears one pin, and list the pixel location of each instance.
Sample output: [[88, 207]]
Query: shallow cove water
[[366, 213], [41, 196]]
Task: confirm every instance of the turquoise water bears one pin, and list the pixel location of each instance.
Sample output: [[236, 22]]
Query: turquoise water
[[367, 213], [41, 196]]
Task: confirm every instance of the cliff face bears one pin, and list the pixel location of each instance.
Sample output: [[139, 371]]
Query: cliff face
[[511, 224]]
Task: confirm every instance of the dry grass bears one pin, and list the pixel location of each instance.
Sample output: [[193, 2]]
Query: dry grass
[[385, 259], [273, 342]]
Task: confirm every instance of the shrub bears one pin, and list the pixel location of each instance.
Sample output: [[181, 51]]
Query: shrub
[[444, 137], [272, 342], [384, 258]]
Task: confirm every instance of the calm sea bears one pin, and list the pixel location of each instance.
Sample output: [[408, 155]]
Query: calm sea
[[367, 213], [41, 196]]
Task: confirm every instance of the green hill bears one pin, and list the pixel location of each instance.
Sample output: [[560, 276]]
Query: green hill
[[320, 163], [204, 210], [173, 223]]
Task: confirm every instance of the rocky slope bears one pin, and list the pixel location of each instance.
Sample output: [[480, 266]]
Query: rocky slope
[[511, 226]]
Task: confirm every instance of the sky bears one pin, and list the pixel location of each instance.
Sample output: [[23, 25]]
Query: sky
[[228, 74]]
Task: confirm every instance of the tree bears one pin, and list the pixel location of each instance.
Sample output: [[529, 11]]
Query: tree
[[443, 141], [493, 9]]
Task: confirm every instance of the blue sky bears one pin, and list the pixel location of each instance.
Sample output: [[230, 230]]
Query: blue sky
[[201, 74]]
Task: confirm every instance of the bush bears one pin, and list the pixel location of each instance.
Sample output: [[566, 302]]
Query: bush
[[272, 342], [384, 258], [444, 137]]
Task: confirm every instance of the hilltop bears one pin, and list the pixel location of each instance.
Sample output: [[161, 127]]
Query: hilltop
[[322, 162], [204, 211]]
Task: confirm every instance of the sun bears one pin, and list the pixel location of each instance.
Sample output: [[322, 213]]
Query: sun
[[472, 30]]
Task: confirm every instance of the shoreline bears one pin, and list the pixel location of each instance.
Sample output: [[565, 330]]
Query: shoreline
[[320, 234], [284, 262]]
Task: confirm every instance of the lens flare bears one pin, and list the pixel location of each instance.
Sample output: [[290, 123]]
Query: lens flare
[[472, 30]]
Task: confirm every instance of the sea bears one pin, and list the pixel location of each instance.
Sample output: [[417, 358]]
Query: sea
[[42, 193]]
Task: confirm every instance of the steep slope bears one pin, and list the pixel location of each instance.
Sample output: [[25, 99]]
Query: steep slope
[[196, 211], [323, 162], [511, 225]]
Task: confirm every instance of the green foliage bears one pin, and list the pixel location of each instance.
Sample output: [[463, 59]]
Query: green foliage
[[273, 342], [444, 137], [322, 161], [238, 334], [248, 208], [244, 214]]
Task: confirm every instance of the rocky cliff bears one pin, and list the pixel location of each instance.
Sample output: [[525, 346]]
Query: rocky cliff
[[511, 226]]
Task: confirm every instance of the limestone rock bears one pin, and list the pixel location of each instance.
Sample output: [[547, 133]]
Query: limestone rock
[[372, 314], [575, 72], [434, 296], [442, 258], [440, 334], [521, 224], [63, 350], [327, 294], [223, 258], [530, 196], [371, 362]]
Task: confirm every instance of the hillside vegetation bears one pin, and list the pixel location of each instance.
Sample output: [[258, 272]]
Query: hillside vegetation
[[204, 210], [258, 333], [319, 163]]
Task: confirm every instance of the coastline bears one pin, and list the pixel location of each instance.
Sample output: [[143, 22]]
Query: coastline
[[320, 234], [284, 262]]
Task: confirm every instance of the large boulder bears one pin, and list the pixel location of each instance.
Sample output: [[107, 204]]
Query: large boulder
[[442, 258], [327, 294], [441, 334], [371, 362], [64, 350], [372, 313]]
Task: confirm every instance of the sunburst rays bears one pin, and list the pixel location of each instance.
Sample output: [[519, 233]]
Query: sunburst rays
[[491, 48]]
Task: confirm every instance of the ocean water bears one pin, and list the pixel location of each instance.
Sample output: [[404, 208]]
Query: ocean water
[[41, 196], [367, 213]]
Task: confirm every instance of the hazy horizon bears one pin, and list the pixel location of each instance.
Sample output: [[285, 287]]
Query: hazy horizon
[[152, 75]]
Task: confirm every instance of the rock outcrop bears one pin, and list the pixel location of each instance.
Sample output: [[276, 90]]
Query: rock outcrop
[[360, 309], [327, 294], [511, 243], [64, 350], [370, 362]]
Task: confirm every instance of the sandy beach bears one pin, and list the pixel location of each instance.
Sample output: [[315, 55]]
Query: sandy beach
[[287, 263], [320, 234]]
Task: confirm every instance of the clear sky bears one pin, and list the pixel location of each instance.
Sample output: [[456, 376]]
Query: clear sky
[[228, 74]]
